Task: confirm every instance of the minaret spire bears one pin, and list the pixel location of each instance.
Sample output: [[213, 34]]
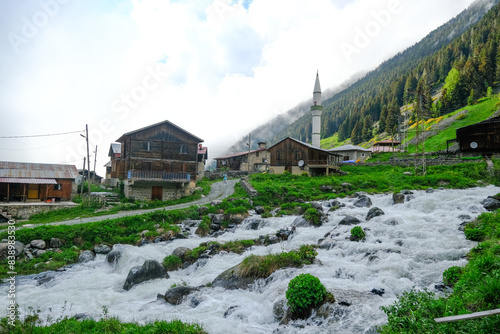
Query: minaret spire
[[316, 110]]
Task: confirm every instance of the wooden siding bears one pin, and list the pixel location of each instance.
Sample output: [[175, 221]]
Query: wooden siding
[[485, 135], [19, 191], [163, 147]]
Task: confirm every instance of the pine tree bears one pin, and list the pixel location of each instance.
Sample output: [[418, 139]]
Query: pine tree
[[356, 134]]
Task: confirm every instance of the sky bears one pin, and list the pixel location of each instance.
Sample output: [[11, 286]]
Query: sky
[[216, 68]]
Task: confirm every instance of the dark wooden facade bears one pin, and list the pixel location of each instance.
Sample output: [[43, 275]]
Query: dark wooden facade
[[38, 182], [291, 153], [480, 138], [160, 151]]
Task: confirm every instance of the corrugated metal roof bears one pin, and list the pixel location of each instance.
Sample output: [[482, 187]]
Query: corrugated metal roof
[[115, 148], [37, 171], [239, 154], [28, 181]]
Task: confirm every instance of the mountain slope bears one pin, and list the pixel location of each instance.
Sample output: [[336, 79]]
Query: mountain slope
[[382, 90]]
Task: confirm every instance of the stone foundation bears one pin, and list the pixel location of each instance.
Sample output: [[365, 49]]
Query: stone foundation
[[26, 210]]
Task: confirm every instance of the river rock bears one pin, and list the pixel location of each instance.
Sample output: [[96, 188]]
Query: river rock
[[300, 222], [236, 218], [491, 204], [113, 256], [230, 310], [151, 269], [4, 249], [202, 210], [374, 212], [349, 220], [317, 206], [86, 256], [259, 210], [55, 243], [181, 252], [175, 295], [346, 185], [230, 280], [102, 249], [429, 190], [217, 218], [255, 223], [216, 202], [39, 244], [398, 198], [363, 201]]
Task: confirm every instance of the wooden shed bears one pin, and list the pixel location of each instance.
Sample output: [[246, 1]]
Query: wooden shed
[[298, 157], [22, 181], [480, 138]]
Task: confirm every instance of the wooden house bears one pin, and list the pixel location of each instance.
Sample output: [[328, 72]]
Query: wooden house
[[298, 157], [482, 138], [159, 161], [250, 161], [352, 153], [21, 181]]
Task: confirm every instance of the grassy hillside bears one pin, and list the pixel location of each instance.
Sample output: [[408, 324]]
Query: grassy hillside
[[437, 131]]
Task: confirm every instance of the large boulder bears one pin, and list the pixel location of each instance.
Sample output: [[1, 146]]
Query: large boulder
[[349, 220], [180, 252], [55, 243], [175, 295], [374, 212], [4, 249], [398, 198], [491, 204], [363, 201], [230, 279], [151, 269], [113, 256], [102, 249], [86, 256], [39, 244]]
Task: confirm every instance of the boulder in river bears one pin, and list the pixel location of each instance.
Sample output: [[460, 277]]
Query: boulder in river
[[363, 201], [86, 256], [151, 269], [491, 204], [374, 212], [175, 295], [398, 198], [349, 220], [230, 280]]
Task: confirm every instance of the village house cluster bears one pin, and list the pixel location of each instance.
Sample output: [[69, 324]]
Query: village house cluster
[[163, 161]]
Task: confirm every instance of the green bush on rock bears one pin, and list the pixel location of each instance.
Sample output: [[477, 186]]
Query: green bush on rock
[[304, 292]]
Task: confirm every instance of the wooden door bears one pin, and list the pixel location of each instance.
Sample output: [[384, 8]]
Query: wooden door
[[33, 191], [157, 193]]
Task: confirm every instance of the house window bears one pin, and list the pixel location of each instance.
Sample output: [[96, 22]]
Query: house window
[[146, 146], [298, 154], [57, 186], [279, 155], [183, 149]]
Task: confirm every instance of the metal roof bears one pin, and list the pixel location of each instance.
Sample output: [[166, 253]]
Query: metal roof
[[168, 123], [115, 148], [240, 154], [37, 171], [350, 148], [28, 181]]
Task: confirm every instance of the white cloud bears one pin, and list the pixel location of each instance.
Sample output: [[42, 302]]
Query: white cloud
[[222, 67]]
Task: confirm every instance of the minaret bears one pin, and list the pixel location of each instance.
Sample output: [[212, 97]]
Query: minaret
[[316, 110]]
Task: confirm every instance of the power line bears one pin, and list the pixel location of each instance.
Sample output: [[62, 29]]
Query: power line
[[45, 135]]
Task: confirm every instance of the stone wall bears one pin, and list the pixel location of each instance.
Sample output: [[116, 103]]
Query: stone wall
[[25, 211], [142, 192]]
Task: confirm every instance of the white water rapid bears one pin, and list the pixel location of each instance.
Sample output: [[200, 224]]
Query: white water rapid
[[408, 247]]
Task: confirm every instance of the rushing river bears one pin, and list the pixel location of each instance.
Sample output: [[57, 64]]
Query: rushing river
[[408, 247]]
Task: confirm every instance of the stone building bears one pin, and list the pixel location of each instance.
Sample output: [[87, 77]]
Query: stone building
[[254, 161]]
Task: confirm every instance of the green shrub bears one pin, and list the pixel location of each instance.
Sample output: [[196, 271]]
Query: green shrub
[[474, 234], [313, 216], [304, 292], [357, 233], [452, 275], [172, 262]]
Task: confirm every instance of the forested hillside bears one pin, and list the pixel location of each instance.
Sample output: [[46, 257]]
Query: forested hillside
[[462, 57]]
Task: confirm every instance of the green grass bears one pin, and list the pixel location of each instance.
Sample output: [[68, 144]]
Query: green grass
[[478, 112], [109, 325], [85, 211], [264, 265], [275, 190]]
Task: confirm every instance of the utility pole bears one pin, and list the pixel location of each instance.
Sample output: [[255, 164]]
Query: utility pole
[[95, 161], [83, 177], [88, 157]]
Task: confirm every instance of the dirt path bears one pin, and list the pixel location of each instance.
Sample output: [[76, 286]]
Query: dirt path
[[219, 190]]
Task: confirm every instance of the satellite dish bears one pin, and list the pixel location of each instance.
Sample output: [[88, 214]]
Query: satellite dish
[[473, 145], [301, 163]]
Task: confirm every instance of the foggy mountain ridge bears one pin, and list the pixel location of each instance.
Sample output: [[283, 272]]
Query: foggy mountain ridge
[[298, 119]]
